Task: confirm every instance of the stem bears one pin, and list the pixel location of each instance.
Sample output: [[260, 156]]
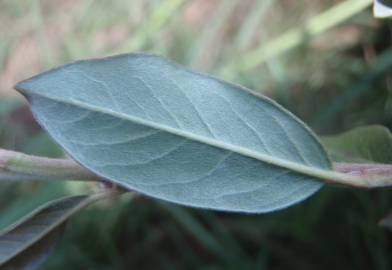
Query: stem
[[15, 166], [361, 169], [367, 175]]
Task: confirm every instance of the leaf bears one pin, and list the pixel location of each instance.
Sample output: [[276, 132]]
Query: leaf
[[36, 196], [363, 144], [35, 255], [26, 243], [152, 126]]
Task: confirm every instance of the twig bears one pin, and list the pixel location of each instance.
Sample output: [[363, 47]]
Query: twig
[[366, 175], [364, 169], [15, 166]]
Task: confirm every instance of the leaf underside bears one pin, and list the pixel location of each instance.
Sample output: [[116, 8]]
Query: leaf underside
[[152, 126], [25, 244]]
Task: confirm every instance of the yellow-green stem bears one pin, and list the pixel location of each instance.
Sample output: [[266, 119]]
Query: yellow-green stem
[[15, 166]]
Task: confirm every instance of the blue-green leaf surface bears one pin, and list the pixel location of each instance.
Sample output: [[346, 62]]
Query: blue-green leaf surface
[[155, 127]]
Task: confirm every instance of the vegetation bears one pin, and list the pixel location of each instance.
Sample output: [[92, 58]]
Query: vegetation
[[331, 70]]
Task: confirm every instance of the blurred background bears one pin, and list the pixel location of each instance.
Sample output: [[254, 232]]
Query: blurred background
[[327, 61]]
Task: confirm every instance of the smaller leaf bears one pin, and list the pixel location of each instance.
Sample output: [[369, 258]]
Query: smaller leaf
[[35, 255], [34, 236], [18, 207], [364, 145]]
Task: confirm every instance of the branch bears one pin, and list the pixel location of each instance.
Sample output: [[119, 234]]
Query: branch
[[363, 169], [364, 175], [15, 166]]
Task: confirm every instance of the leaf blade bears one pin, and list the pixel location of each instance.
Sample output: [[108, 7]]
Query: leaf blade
[[46, 221], [362, 144], [32, 257], [173, 134]]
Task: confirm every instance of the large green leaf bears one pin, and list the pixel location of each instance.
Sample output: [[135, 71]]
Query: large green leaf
[[363, 144], [33, 236], [152, 126]]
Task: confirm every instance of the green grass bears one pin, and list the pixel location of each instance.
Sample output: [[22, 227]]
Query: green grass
[[334, 79]]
